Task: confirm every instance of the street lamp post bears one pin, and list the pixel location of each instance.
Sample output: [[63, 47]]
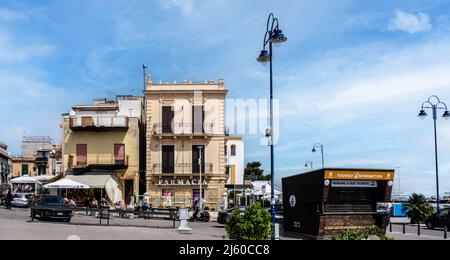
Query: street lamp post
[[273, 35], [309, 163], [435, 104], [321, 150], [200, 148]]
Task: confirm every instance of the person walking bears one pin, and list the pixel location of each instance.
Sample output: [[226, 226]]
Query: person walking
[[8, 200]]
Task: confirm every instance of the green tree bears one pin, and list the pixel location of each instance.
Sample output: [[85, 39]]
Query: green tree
[[254, 172], [254, 224], [349, 235], [418, 209]]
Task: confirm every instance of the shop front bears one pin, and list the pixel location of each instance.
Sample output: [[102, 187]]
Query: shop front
[[92, 185], [183, 192], [325, 202]]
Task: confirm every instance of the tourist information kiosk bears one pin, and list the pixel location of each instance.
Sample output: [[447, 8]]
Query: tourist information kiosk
[[325, 202]]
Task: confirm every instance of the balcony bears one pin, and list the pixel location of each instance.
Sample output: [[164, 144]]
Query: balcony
[[180, 169], [98, 123], [183, 129], [97, 162]]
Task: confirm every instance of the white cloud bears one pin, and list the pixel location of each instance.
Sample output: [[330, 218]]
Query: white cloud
[[376, 76], [11, 51], [9, 15], [185, 6], [410, 23]]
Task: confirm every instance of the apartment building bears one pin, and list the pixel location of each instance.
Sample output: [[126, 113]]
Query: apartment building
[[102, 147], [185, 143], [5, 164]]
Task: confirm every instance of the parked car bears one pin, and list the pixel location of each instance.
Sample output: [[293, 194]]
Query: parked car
[[439, 220], [223, 217], [51, 207], [21, 200]]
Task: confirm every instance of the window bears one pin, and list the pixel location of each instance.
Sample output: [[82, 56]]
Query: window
[[233, 150], [168, 159], [24, 169], [119, 154], [81, 154], [197, 118], [198, 152], [87, 121], [167, 119]]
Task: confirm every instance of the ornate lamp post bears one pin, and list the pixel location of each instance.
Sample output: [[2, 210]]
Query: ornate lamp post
[[309, 163], [273, 35], [434, 104], [321, 150]]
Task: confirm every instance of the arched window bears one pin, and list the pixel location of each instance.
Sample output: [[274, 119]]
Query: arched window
[[233, 150]]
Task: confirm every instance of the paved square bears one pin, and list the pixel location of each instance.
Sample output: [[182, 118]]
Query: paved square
[[15, 225]]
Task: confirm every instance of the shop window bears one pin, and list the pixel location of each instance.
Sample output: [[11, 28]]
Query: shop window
[[167, 198]]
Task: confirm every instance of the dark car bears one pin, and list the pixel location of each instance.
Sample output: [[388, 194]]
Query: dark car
[[439, 220], [223, 217], [51, 207]]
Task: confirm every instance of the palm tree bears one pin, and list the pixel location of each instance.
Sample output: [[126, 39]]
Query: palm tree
[[418, 209]]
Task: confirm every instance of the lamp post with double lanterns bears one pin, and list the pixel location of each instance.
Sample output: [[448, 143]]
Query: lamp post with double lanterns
[[321, 150], [274, 35], [434, 104]]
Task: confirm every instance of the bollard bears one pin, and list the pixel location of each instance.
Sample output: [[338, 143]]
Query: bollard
[[184, 227], [390, 227], [404, 228], [418, 229]]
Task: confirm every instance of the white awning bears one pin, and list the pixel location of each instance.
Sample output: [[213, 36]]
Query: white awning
[[66, 184], [109, 182], [94, 181], [25, 179]]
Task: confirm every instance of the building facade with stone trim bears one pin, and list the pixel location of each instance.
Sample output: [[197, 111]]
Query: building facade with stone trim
[[185, 143]]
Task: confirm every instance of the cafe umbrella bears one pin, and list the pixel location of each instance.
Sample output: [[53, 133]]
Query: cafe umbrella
[[66, 184]]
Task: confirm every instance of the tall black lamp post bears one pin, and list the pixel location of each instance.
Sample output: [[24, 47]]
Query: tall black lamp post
[[435, 104], [273, 35], [321, 150]]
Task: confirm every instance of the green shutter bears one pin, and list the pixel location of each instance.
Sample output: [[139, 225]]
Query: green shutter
[[24, 169]]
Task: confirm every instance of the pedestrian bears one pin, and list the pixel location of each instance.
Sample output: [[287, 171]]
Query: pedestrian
[[104, 203], [94, 203], [8, 200], [87, 202]]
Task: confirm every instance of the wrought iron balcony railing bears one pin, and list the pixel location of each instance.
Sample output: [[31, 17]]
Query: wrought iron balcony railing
[[98, 122], [183, 129]]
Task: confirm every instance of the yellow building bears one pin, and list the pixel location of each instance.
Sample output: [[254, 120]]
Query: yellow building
[[101, 147], [24, 166], [185, 143]]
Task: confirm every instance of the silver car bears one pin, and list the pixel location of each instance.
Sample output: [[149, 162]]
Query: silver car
[[21, 200]]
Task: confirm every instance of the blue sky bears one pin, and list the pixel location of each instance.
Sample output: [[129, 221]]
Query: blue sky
[[352, 75]]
